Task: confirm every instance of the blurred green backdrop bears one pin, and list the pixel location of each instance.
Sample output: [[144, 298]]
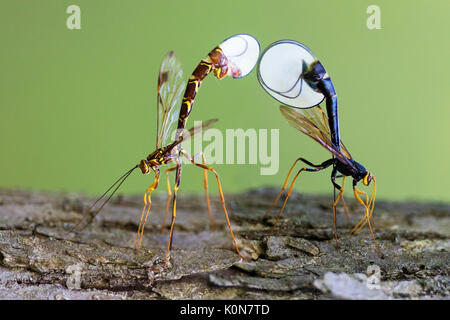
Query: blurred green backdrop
[[78, 106]]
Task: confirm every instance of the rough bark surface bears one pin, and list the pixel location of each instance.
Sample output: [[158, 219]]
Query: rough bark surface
[[40, 259]]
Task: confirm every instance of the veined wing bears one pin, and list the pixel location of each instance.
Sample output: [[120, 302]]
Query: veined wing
[[170, 91], [314, 123], [319, 118], [198, 129], [188, 134]]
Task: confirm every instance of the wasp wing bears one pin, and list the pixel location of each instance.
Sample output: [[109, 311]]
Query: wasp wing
[[187, 134], [318, 117], [170, 90], [198, 129], [314, 123]]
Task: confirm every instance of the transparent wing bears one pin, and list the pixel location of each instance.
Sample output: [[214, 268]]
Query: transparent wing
[[320, 120], [205, 125], [242, 52], [314, 123], [170, 91], [188, 134], [280, 74]]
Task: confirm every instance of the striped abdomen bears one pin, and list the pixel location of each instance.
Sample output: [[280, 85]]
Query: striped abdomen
[[217, 62]]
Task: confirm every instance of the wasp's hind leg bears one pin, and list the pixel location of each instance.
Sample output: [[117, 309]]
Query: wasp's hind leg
[[336, 199], [169, 192], [174, 210], [322, 166], [315, 168], [222, 199], [347, 213], [205, 184]]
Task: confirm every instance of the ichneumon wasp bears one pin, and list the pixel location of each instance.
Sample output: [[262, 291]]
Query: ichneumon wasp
[[291, 74], [235, 57]]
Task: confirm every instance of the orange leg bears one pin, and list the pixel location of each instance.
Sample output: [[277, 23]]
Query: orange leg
[[148, 204], [370, 206], [367, 207], [208, 203], [372, 201], [222, 199], [289, 193], [169, 192], [205, 183], [340, 195], [347, 214], [174, 211], [281, 192]]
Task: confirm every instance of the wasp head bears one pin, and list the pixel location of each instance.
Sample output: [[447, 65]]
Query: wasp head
[[367, 178], [147, 165]]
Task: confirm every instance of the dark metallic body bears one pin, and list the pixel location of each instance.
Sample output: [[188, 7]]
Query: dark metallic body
[[311, 120], [356, 170], [318, 79]]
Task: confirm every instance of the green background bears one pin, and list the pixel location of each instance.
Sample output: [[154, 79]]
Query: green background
[[78, 106]]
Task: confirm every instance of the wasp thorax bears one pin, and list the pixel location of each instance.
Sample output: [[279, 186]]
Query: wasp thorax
[[145, 168]]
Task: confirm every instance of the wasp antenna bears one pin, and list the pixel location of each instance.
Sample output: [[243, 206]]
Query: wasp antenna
[[122, 177], [89, 216]]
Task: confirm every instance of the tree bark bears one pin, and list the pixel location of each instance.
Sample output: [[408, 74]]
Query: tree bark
[[41, 259]]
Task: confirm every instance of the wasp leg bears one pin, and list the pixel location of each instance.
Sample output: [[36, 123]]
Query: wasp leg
[[174, 210], [347, 213], [363, 220], [169, 192], [336, 200], [205, 183], [318, 168], [208, 203], [367, 216], [371, 205], [148, 204], [222, 199], [372, 201], [322, 165]]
